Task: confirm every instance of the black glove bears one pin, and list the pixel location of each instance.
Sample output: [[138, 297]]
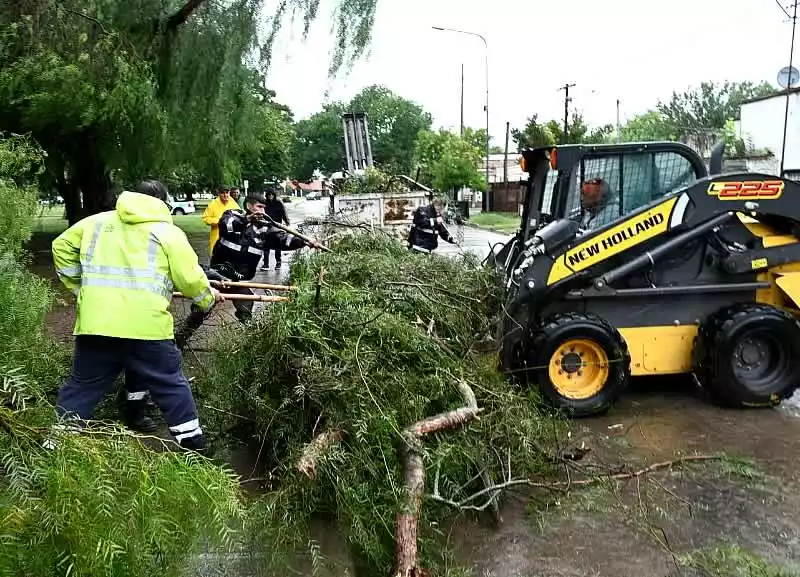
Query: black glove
[[212, 274]]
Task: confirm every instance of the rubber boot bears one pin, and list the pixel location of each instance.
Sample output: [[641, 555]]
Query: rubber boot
[[136, 418], [134, 414], [196, 444]]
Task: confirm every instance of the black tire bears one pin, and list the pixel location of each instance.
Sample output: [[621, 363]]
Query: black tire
[[179, 212], [748, 355], [546, 341]]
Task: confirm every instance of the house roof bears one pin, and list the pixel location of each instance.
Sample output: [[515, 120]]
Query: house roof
[[794, 90], [311, 186]]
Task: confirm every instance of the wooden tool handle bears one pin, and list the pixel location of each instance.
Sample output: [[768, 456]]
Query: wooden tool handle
[[298, 234], [253, 285], [236, 297]]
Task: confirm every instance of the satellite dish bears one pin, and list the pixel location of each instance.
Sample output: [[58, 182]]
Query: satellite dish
[[788, 77]]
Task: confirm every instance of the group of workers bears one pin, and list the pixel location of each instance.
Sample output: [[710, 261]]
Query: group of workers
[[123, 266]]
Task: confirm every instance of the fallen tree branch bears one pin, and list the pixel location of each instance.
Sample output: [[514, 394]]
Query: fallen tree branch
[[318, 447], [562, 486], [406, 556]]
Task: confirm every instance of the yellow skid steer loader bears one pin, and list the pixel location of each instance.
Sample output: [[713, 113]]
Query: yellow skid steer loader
[[631, 260]]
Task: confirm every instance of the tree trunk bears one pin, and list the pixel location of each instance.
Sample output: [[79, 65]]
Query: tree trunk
[[69, 191], [66, 187], [93, 178]]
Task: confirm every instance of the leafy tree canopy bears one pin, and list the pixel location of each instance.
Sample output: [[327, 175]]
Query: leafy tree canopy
[[117, 89], [448, 161], [552, 132], [708, 110], [394, 124]]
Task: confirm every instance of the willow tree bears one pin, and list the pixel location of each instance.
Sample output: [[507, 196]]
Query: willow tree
[[116, 89]]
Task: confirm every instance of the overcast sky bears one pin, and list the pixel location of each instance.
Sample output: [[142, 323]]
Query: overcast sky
[[634, 50]]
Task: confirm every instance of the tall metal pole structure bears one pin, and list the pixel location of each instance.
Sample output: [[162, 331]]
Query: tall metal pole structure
[[486, 206], [462, 101], [566, 88], [788, 88], [618, 126]]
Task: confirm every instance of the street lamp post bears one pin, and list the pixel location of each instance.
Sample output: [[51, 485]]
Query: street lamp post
[[486, 106]]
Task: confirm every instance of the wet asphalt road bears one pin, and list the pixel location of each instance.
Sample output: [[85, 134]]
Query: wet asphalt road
[[470, 239]]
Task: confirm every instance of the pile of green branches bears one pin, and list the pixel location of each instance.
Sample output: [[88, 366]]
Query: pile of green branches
[[376, 338], [101, 503]]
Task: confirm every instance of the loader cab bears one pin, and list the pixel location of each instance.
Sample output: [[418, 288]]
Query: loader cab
[[629, 176]]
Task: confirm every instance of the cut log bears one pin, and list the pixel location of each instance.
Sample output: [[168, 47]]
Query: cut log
[[406, 561], [318, 447]]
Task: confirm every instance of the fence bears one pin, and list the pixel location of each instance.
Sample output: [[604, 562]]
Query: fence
[[507, 197]]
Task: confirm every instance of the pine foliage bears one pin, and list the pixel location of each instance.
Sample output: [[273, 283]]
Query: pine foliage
[[384, 346]]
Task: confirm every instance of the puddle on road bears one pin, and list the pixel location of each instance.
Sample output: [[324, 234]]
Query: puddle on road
[[791, 406]]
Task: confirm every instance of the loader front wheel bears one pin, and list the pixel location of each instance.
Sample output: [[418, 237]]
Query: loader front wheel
[[748, 355], [580, 363]]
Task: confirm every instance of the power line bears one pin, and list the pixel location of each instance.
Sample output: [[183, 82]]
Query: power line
[[788, 88], [778, 2]]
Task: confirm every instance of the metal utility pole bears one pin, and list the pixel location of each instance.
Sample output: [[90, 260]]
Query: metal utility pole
[[462, 101], [486, 204], [788, 87], [566, 88], [505, 156], [618, 133]]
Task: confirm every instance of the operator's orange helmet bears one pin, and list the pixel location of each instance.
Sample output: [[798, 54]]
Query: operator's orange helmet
[[593, 192]]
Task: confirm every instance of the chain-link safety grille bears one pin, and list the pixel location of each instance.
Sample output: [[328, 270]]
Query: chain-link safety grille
[[607, 187]]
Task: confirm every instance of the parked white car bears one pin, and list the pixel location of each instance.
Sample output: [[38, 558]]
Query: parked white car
[[180, 207]]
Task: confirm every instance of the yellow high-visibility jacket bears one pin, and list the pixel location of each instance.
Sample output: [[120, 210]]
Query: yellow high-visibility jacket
[[211, 216], [123, 266]]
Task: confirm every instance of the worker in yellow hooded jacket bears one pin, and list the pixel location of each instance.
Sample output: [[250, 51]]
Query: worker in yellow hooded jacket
[[214, 212], [123, 266]]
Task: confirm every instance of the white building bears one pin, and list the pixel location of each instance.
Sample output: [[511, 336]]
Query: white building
[[496, 162], [761, 127]]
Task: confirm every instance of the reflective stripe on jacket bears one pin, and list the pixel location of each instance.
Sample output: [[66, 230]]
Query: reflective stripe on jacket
[[211, 216], [124, 264]]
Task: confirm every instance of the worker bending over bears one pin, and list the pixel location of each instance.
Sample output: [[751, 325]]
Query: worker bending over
[[244, 237], [123, 266], [427, 227]]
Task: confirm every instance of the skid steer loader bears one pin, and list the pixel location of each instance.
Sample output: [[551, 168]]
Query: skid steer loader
[[679, 270]]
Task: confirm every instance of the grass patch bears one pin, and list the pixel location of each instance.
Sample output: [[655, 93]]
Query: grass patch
[[50, 220], [733, 561], [507, 222]]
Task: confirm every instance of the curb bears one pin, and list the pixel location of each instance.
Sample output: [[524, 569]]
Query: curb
[[488, 228]]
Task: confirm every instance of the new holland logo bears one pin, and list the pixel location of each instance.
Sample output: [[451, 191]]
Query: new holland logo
[[615, 238]]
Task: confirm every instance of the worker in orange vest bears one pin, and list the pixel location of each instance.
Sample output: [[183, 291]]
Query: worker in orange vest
[[214, 211]]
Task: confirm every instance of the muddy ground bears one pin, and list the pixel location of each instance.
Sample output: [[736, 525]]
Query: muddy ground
[[641, 527]]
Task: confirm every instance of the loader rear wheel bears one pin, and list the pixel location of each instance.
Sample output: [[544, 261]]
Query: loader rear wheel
[[581, 363], [748, 355]]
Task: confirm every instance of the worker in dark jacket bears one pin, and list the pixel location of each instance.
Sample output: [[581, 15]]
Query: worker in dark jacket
[[244, 237], [275, 209], [427, 227]]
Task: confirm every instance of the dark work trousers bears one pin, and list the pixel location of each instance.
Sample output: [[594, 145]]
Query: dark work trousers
[[99, 360], [278, 255]]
